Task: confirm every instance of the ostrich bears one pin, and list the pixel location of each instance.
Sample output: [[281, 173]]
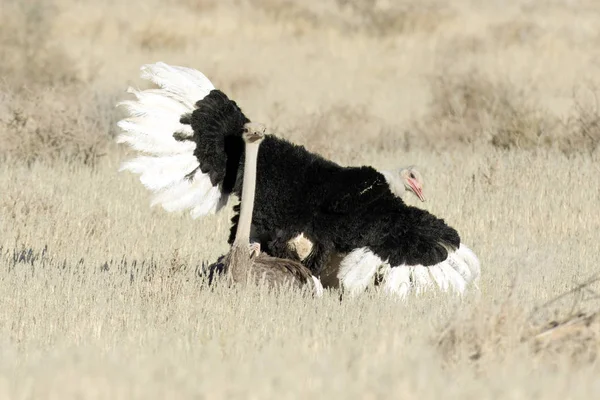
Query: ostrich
[[245, 262], [403, 180], [191, 133]]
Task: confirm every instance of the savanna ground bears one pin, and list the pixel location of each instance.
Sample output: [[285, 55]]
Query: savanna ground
[[495, 101]]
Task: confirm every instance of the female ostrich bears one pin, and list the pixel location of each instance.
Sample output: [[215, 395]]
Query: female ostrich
[[245, 262], [192, 134]]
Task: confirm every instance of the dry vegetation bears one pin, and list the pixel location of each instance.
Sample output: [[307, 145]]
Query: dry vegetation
[[495, 101]]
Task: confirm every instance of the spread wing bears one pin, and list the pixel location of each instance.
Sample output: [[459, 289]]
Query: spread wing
[[354, 189]]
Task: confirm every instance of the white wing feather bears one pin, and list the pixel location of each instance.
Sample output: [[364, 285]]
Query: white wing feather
[[456, 274], [166, 166], [357, 270]]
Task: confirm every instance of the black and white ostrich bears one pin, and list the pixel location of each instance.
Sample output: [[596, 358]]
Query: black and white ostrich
[[401, 181], [191, 134]]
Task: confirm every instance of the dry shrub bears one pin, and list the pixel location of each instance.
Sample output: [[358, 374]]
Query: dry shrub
[[567, 327], [200, 6], [397, 17], [485, 334], [471, 108], [299, 16], [46, 111], [515, 32], [55, 124], [456, 106], [582, 126], [342, 131], [359, 16], [27, 56], [241, 82], [576, 336], [569, 323], [158, 34]]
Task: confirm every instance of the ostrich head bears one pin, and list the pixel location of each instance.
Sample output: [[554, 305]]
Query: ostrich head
[[254, 132], [404, 180]]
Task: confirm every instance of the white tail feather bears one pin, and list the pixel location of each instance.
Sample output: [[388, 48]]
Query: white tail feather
[[183, 84], [157, 173], [167, 166]]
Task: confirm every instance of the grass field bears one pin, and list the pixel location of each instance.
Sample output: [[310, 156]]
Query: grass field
[[496, 102]]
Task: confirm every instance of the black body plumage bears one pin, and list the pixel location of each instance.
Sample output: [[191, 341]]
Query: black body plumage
[[337, 208]]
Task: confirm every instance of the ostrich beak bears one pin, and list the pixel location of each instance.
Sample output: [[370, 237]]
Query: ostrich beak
[[416, 188]]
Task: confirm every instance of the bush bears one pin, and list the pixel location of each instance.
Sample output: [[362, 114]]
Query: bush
[[471, 108], [55, 124]]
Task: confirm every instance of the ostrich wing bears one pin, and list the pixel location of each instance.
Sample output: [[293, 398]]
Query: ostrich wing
[[413, 248], [354, 189]]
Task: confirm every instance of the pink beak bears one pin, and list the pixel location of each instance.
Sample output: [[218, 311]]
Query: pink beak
[[414, 185]]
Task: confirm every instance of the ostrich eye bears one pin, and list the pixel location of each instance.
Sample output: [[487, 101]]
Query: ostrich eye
[[412, 176]]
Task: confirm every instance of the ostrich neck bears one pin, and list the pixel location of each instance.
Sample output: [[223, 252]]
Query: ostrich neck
[[396, 185], [242, 235]]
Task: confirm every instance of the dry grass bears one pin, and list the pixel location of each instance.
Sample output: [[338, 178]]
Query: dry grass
[[100, 296]]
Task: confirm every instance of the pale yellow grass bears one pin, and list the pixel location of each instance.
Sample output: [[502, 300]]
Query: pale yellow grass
[[494, 101], [151, 330]]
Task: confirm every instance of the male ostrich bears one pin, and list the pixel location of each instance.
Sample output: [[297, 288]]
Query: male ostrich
[[245, 262], [192, 134], [401, 181]]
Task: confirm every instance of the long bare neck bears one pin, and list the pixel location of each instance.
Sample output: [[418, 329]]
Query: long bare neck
[[242, 235]]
